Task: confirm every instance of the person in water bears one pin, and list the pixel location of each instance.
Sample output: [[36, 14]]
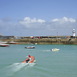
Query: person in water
[[30, 59]]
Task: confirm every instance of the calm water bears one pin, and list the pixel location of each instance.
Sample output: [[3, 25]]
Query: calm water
[[48, 64]]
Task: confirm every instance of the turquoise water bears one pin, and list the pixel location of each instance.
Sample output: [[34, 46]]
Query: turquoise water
[[48, 64]]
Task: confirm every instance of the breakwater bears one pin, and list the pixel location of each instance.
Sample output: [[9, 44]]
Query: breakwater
[[59, 40], [47, 41]]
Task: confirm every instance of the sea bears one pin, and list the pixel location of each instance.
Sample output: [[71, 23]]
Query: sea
[[62, 63]]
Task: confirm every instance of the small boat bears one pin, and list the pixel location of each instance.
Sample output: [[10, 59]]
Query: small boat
[[30, 59], [12, 42], [4, 45], [30, 47], [55, 49], [27, 62]]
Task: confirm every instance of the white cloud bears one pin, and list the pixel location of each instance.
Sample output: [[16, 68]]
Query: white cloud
[[64, 20], [29, 20], [31, 23], [28, 26], [54, 20]]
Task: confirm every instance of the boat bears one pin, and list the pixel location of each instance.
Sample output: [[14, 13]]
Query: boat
[[4, 45], [30, 47], [12, 42], [27, 62], [55, 49], [30, 59]]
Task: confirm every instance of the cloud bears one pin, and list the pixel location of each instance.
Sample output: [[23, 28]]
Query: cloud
[[31, 23], [64, 20], [34, 20], [35, 27]]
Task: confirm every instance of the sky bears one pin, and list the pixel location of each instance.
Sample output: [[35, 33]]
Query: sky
[[38, 17]]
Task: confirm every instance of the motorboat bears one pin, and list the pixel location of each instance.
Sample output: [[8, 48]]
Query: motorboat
[[55, 49], [4, 45], [30, 47], [30, 59], [28, 62], [12, 42]]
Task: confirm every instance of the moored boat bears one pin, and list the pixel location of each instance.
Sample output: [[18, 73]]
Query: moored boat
[[12, 42], [4, 45]]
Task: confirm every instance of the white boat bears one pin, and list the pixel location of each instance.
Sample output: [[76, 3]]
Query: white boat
[[55, 49], [12, 42], [4, 45]]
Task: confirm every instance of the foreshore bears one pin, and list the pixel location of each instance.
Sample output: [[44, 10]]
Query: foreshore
[[43, 40]]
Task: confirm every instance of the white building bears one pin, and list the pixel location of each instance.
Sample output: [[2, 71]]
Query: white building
[[74, 32]]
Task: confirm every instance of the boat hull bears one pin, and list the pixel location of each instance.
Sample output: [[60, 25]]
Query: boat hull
[[28, 62], [4, 45]]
